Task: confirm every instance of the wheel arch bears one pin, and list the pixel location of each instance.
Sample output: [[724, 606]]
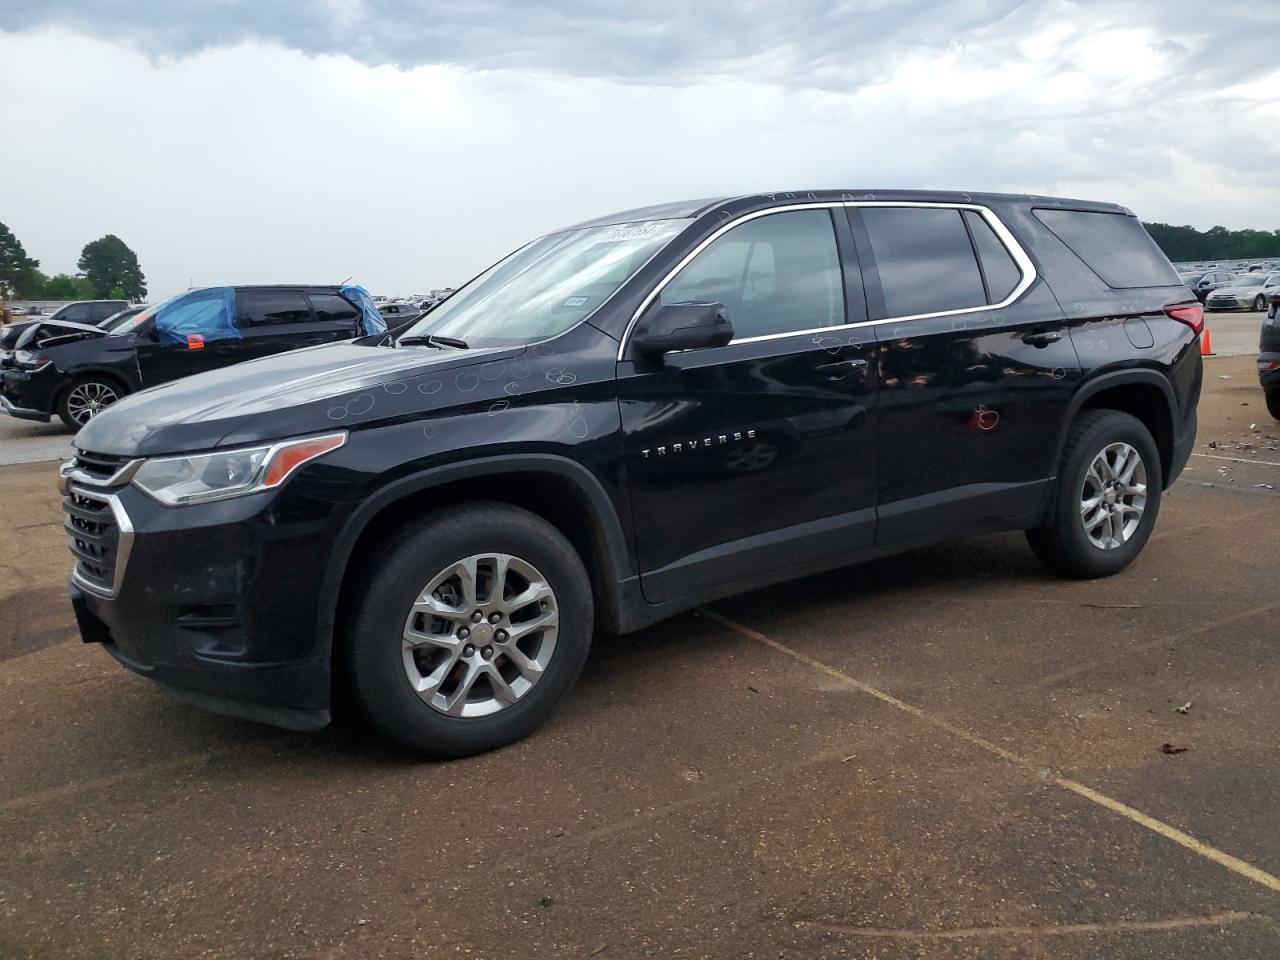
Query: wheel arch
[[1142, 393], [561, 491], [103, 373]]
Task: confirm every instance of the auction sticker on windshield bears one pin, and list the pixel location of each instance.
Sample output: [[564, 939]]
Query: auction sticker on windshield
[[631, 231]]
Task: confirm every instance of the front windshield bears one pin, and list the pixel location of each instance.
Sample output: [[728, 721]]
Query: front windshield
[[1249, 280], [546, 287], [129, 324]]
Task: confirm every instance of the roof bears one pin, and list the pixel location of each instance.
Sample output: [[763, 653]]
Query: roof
[[693, 208]]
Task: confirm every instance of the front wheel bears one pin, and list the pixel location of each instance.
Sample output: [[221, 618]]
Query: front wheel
[[1107, 499], [1273, 403], [85, 399], [1259, 303], [470, 628]]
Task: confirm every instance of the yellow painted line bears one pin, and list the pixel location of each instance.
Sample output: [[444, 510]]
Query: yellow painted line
[[1234, 864]]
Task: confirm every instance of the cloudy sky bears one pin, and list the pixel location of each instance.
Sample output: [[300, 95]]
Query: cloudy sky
[[408, 143]]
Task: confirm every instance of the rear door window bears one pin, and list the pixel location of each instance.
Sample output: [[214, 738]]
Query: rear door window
[[269, 308], [1115, 246], [998, 267], [925, 260], [331, 308]]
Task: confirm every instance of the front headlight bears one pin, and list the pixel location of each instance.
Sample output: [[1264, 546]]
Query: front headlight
[[33, 363], [232, 473]]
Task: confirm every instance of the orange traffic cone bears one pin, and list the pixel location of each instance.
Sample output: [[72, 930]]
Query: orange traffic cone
[[1206, 343]]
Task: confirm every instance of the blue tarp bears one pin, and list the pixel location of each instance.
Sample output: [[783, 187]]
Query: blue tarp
[[373, 320], [209, 313]]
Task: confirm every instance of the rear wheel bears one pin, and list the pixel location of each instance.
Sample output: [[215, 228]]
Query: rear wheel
[[1107, 499], [1273, 403], [471, 627], [86, 398]]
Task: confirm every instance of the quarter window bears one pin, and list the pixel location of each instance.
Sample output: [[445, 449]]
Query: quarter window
[[778, 273], [271, 307], [331, 308], [925, 260], [998, 266]]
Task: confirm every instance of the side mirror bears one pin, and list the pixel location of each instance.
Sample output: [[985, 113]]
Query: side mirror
[[683, 326]]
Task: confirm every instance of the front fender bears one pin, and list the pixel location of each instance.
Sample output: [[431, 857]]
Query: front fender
[[604, 516]]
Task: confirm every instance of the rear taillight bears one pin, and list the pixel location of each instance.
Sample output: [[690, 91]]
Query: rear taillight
[[1192, 314]]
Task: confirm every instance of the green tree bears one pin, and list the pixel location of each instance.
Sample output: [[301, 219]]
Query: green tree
[[108, 263], [1184, 243], [66, 287], [15, 266]]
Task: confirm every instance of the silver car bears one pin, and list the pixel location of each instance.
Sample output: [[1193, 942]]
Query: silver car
[[1249, 291]]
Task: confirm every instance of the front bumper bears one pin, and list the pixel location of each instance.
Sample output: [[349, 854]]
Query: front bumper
[[30, 394], [22, 413], [217, 602]]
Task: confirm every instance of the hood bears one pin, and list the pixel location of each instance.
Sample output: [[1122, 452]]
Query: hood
[[289, 394], [40, 333]]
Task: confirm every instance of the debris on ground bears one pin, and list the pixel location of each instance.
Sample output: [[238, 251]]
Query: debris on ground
[[1184, 709], [1173, 746], [1113, 606], [1264, 486], [1224, 376], [1213, 444]]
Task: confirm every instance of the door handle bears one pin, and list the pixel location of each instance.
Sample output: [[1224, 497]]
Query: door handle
[[1042, 338], [841, 366]]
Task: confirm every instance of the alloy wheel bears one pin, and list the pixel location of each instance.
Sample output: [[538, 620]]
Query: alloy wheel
[[480, 635], [87, 400], [1113, 496]]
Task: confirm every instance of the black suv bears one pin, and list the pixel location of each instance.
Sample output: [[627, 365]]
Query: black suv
[[83, 370], [620, 421], [88, 312]]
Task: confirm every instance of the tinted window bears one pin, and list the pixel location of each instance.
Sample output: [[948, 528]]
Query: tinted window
[[77, 312], [270, 307], [1114, 246], [997, 263], [331, 308], [912, 243], [100, 311], [775, 274]]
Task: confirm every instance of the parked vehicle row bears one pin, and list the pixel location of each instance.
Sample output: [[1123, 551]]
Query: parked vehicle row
[[76, 370], [623, 420]]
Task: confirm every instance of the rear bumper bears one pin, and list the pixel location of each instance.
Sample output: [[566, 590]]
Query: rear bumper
[[1182, 450], [1269, 371]]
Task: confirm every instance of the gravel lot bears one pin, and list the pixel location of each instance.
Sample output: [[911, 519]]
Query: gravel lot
[[944, 754]]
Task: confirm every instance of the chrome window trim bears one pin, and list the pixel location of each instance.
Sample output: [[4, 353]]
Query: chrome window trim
[[1003, 234], [124, 543]]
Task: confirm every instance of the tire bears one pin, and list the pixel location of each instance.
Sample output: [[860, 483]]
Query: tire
[[385, 658], [86, 398], [1273, 403], [1259, 303], [1064, 544]]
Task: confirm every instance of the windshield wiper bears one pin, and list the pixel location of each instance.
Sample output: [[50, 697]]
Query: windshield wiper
[[431, 340]]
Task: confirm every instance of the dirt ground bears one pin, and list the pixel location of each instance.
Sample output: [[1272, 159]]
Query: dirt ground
[[944, 754]]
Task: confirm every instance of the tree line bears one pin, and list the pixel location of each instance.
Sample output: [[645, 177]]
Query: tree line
[[1181, 244], [108, 270]]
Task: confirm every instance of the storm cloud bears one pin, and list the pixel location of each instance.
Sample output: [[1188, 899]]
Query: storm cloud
[[410, 142]]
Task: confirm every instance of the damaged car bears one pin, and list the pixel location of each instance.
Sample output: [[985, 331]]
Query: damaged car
[[76, 370]]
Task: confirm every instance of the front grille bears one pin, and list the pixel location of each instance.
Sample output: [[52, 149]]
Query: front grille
[[100, 465], [1223, 302], [95, 538]]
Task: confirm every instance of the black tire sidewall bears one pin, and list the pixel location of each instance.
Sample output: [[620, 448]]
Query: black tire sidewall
[[1273, 403], [375, 660], [1112, 427]]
